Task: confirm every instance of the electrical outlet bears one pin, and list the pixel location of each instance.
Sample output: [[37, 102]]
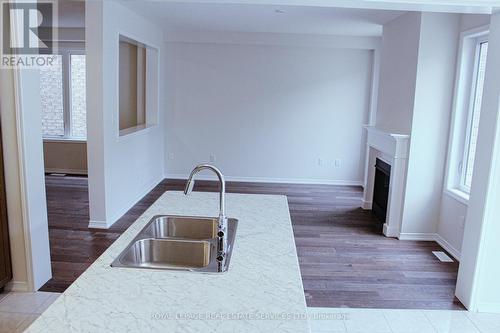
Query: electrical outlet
[[213, 158], [337, 163], [171, 156]]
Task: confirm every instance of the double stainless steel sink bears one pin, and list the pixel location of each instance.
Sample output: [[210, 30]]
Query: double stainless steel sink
[[178, 243]]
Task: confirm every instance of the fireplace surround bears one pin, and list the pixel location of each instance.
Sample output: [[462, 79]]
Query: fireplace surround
[[392, 149]]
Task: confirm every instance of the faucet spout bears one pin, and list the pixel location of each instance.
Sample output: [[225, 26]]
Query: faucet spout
[[222, 221], [222, 194], [189, 186]]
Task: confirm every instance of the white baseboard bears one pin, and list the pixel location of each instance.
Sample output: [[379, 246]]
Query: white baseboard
[[390, 232], [366, 205], [418, 236], [488, 307], [124, 209], [448, 247], [271, 180], [17, 286], [98, 225], [67, 171]]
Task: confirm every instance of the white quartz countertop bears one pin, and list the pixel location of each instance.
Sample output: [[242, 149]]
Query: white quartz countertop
[[262, 291]]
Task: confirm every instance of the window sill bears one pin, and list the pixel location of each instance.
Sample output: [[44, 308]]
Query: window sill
[[133, 131], [458, 195], [64, 140]]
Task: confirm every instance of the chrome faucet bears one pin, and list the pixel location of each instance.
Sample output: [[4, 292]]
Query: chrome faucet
[[222, 221]]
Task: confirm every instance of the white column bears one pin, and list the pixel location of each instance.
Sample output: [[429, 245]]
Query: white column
[[392, 227], [479, 272], [33, 198], [95, 113]]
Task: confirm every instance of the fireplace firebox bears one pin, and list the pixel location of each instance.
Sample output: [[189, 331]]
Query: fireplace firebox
[[381, 190]]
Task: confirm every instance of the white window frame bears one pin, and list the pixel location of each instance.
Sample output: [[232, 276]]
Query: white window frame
[[463, 107], [470, 115], [66, 49]]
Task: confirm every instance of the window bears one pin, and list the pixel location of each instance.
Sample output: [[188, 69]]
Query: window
[[51, 93], [78, 104], [62, 92], [467, 164], [468, 100]]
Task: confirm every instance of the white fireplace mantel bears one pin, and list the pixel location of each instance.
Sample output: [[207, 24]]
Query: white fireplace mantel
[[393, 149]]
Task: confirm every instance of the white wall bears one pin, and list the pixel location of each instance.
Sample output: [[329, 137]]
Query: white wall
[[12, 181], [453, 211], [268, 112], [415, 97], [32, 174], [431, 116], [451, 223], [477, 285], [25, 185], [471, 21], [398, 70], [121, 169]]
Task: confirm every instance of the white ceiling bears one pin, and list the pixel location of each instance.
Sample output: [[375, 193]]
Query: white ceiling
[[265, 18], [445, 6]]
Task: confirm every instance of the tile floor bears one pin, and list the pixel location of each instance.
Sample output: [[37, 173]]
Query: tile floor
[[19, 310], [329, 320]]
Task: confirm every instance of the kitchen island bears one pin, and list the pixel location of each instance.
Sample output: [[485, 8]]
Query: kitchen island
[[261, 292]]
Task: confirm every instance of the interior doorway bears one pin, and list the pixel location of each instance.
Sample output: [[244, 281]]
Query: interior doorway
[[64, 136]]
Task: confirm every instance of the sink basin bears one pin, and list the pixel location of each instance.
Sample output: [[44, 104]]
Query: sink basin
[[164, 253], [178, 243], [182, 227]]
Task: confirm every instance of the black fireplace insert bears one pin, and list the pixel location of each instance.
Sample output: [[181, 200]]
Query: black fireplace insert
[[381, 190]]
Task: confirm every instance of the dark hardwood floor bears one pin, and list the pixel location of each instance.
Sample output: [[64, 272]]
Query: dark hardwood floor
[[344, 260]]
